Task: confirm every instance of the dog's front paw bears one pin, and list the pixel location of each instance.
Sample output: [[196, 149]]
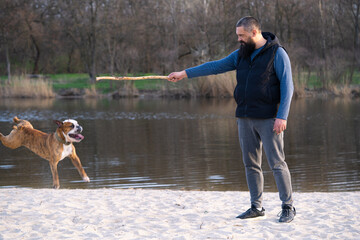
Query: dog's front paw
[[56, 186], [86, 179]]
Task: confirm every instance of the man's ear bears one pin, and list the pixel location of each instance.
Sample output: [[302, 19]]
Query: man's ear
[[59, 123], [254, 32]]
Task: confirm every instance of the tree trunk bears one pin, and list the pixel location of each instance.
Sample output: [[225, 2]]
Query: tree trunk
[[323, 68], [68, 67], [356, 14], [36, 57], [92, 40], [7, 63]]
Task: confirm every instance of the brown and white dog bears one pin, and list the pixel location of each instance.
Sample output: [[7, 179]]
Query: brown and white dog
[[53, 147]]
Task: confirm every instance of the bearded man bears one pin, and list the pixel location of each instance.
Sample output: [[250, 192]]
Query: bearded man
[[263, 95]]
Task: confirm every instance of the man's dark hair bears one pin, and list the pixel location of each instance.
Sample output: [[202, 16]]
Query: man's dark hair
[[249, 23]]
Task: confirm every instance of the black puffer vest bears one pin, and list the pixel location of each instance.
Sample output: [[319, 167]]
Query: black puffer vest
[[257, 92]]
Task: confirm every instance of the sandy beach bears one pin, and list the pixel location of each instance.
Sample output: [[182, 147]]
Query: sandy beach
[[164, 214]]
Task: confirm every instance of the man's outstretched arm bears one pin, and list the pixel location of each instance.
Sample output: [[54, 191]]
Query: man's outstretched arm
[[210, 68]]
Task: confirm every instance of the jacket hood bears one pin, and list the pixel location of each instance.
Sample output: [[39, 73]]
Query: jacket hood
[[271, 39]]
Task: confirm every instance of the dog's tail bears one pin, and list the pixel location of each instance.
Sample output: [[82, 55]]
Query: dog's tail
[[16, 120], [20, 123]]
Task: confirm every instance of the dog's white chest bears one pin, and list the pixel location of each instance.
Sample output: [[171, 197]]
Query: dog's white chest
[[66, 151]]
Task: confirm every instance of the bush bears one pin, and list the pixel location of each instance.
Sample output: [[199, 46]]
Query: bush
[[26, 87]]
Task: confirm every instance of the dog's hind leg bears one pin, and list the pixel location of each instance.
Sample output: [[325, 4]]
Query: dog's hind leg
[[11, 140], [55, 175], [76, 161]]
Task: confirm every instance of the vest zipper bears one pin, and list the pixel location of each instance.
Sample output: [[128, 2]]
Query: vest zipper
[[247, 80], [246, 86]]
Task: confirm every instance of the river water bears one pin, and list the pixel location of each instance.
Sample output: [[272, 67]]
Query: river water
[[183, 144]]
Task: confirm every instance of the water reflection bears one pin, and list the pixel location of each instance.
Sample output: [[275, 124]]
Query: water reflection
[[183, 144]]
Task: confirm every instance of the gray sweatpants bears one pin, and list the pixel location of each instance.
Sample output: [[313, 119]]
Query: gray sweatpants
[[253, 134]]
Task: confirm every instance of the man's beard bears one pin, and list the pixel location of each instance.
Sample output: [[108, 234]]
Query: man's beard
[[246, 48]]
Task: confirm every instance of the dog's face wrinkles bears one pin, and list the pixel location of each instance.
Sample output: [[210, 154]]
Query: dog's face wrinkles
[[71, 130]]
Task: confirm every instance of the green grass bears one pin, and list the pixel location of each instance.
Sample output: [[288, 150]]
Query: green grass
[[64, 81], [313, 81], [77, 80], [356, 77]]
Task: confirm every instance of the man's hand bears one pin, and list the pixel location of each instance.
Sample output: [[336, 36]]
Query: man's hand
[[279, 125], [177, 76]]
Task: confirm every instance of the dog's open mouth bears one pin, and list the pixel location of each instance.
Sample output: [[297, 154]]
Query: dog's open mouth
[[77, 136]]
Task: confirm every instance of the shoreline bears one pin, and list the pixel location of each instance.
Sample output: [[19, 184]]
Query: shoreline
[[351, 93], [171, 214]]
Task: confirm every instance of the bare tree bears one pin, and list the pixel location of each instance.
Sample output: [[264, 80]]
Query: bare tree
[[353, 9], [80, 19], [6, 30], [138, 36]]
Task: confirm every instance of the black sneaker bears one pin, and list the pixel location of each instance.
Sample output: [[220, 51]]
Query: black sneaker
[[287, 214], [252, 213]]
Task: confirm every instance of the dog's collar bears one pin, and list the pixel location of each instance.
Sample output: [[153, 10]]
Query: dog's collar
[[61, 140]]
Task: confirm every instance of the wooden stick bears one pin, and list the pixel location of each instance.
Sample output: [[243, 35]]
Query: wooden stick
[[131, 78]]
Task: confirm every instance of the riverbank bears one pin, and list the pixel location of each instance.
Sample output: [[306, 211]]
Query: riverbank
[[164, 214], [352, 92], [78, 86]]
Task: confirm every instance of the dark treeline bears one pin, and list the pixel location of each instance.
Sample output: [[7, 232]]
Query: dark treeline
[[160, 36]]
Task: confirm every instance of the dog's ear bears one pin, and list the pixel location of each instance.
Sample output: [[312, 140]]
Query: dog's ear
[[59, 123]]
